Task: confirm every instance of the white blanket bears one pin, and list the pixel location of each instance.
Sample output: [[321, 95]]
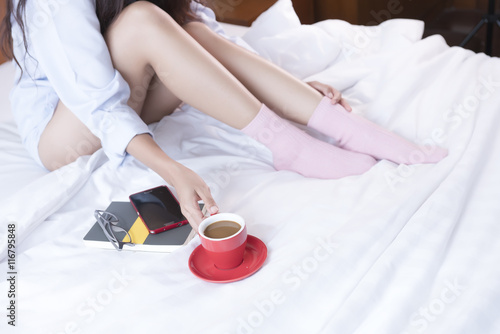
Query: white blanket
[[400, 249]]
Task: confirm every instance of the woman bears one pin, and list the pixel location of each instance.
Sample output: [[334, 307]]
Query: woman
[[93, 73]]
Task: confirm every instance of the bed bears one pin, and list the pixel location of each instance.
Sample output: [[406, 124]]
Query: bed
[[399, 249]]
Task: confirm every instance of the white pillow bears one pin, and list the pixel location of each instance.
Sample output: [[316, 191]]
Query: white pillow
[[302, 50], [278, 18]]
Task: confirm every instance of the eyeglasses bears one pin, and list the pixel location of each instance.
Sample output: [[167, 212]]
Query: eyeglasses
[[114, 233]]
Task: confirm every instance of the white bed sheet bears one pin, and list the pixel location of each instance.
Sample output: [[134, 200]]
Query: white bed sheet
[[400, 249]]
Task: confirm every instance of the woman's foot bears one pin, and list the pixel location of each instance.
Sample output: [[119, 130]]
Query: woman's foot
[[358, 134], [295, 150]]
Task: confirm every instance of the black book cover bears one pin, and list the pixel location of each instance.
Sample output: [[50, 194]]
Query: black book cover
[[167, 241]]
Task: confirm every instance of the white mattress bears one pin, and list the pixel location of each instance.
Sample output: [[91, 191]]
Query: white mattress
[[400, 249]]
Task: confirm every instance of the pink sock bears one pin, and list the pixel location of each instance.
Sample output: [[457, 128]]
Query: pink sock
[[358, 134], [295, 150]]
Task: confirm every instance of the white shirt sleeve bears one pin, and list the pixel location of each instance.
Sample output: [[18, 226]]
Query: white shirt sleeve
[[65, 38]]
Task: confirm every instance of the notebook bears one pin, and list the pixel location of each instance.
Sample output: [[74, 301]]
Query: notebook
[[167, 241]]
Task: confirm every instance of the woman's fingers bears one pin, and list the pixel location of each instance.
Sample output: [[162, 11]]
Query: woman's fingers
[[346, 105], [191, 188], [330, 92], [335, 95], [210, 204], [192, 212]]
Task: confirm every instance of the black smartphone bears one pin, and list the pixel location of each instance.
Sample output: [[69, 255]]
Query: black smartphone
[[158, 208]]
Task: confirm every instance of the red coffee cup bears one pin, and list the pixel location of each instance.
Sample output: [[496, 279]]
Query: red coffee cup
[[224, 237]]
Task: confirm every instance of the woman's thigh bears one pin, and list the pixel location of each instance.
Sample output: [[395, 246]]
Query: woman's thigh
[[158, 102], [66, 138]]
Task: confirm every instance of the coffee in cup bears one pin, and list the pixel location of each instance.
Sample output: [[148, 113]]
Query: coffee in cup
[[224, 237], [221, 229]]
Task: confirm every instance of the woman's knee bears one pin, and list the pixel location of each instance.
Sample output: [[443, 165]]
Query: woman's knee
[[136, 18]]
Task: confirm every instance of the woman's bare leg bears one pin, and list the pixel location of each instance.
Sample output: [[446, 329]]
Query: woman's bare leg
[[160, 47], [174, 60], [281, 91], [297, 101], [66, 138], [194, 76]]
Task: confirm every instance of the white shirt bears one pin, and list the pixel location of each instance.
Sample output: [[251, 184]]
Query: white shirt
[[68, 60]]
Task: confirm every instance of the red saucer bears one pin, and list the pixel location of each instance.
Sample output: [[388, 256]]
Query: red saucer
[[253, 259]]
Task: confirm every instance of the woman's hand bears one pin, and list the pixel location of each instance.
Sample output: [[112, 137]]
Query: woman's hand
[[330, 92], [191, 188]]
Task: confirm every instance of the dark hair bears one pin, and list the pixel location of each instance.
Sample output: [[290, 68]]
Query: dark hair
[[106, 10], [6, 28]]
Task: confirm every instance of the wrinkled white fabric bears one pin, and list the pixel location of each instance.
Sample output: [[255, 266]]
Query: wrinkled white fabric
[[400, 249]]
